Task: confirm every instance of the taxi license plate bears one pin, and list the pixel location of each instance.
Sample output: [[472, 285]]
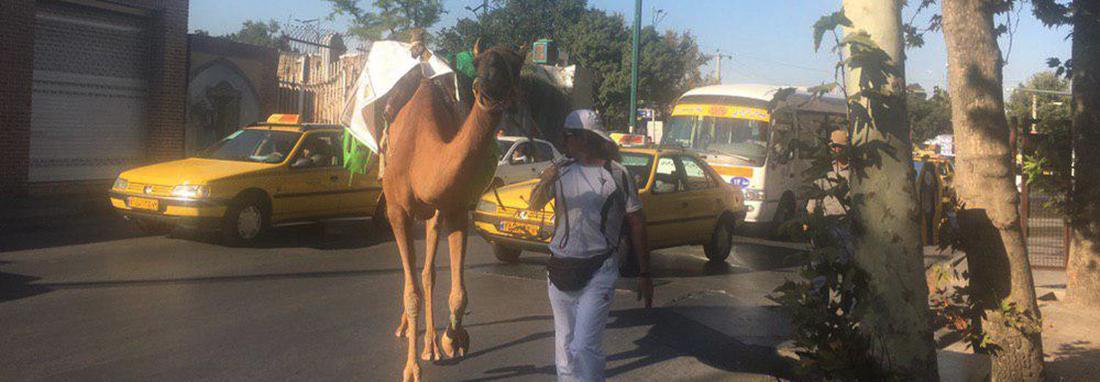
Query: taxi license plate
[[520, 228], [145, 204]]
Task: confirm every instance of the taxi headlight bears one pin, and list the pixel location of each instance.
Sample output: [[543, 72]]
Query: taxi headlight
[[486, 206], [754, 194], [190, 191], [121, 184]]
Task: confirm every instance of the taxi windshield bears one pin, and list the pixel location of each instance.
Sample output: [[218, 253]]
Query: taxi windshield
[[263, 146]]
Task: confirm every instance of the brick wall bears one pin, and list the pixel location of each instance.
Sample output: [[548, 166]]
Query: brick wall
[[167, 79], [16, 69], [166, 92]]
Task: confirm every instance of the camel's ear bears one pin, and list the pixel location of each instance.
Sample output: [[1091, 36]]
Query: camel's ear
[[477, 47]]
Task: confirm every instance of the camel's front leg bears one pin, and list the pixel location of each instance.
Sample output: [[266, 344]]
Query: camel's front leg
[[431, 243], [456, 341], [402, 225]]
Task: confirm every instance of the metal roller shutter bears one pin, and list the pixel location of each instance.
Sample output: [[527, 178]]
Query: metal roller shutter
[[89, 93]]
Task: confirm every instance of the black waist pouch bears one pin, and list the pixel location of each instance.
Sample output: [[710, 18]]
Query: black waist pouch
[[572, 274]]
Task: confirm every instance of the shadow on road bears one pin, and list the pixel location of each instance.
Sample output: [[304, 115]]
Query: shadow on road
[[15, 286], [670, 336], [60, 233]]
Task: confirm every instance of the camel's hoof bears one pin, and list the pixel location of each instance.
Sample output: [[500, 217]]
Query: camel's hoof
[[402, 327], [455, 343], [412, 372], [431, 348]]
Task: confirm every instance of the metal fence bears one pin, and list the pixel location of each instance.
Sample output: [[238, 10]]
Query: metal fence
[[1045, 232]]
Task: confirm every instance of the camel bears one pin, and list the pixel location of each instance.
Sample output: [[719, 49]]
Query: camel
[[437, 165]]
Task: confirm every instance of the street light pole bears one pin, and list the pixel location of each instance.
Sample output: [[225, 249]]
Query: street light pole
[[634, 67]]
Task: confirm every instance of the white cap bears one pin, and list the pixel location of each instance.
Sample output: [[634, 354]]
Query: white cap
[[585, 119]]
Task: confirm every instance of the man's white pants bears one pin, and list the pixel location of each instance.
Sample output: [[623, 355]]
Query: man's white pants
[[579, 321]]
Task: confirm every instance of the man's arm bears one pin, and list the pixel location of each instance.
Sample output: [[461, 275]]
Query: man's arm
[[544, 190]]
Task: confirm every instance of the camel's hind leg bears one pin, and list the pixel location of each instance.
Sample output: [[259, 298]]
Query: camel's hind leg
[[402, 224], [456, 341], [431, 243]]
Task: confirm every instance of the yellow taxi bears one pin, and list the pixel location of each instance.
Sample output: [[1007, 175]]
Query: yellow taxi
[[276, 173], [685, 202]]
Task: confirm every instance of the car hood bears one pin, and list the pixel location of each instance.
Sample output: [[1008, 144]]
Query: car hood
[[191, 171], [514, 196]]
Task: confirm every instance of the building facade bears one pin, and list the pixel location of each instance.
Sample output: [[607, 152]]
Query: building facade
[[89, 88]]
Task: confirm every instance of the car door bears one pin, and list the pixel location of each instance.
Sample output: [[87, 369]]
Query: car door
[[700, 199], [666, 206], [315, 180], [519, 163]]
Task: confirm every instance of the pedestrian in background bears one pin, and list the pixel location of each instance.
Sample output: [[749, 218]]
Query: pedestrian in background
[[596, 206]]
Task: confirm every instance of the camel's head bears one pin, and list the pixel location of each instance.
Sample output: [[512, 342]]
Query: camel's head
[[498, 75]]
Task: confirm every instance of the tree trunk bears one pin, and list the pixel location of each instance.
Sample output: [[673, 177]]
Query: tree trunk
[[985, 184], [1084, 258], [884, 212]]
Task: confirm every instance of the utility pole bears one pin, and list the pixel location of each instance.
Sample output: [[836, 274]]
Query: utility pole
[[718, 64], [1034, 113], [634, 67]]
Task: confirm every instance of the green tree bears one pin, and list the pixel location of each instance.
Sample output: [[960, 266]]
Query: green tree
[[388, 19], [928, 116], [1053, 110], [593, 39], [267, 34]]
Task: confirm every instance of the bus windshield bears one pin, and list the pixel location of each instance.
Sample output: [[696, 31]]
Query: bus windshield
[[742, 138]]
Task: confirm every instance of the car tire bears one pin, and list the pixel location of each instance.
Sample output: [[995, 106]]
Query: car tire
[[721, 240], [245, 222], [506, 254]]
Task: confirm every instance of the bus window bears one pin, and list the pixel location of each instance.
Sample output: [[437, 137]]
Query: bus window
[[743, 138]]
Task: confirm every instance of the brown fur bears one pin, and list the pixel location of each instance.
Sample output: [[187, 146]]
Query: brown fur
[[431, 156]]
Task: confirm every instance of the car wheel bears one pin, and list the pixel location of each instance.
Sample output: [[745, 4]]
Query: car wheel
[[506, 254], [721, 241], [245, 222]]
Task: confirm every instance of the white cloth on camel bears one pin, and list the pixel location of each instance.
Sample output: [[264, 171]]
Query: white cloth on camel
[[386, 63]]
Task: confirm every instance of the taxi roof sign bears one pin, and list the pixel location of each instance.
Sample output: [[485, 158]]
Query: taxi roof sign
[[283, 119]]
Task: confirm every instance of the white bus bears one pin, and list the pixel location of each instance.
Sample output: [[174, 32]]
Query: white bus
[[730, 127]]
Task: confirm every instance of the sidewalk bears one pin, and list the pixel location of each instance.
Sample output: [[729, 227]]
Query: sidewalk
[[21, 213]]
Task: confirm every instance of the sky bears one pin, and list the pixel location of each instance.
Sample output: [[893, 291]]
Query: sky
[[767, 41]]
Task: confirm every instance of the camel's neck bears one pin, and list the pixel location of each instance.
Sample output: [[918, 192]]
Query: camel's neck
[[468, 147]]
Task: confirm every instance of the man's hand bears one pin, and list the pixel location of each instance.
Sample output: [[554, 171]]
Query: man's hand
[[645, 290], [549, 173]]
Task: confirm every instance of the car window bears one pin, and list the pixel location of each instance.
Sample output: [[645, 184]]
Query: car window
[[543, 152], [522, 154], [503, 146], [638, 166], [695, 175], [667, 178], [253, 146], [319, 150]]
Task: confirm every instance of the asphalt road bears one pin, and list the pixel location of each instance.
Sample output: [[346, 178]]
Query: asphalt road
[[90, 299]]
